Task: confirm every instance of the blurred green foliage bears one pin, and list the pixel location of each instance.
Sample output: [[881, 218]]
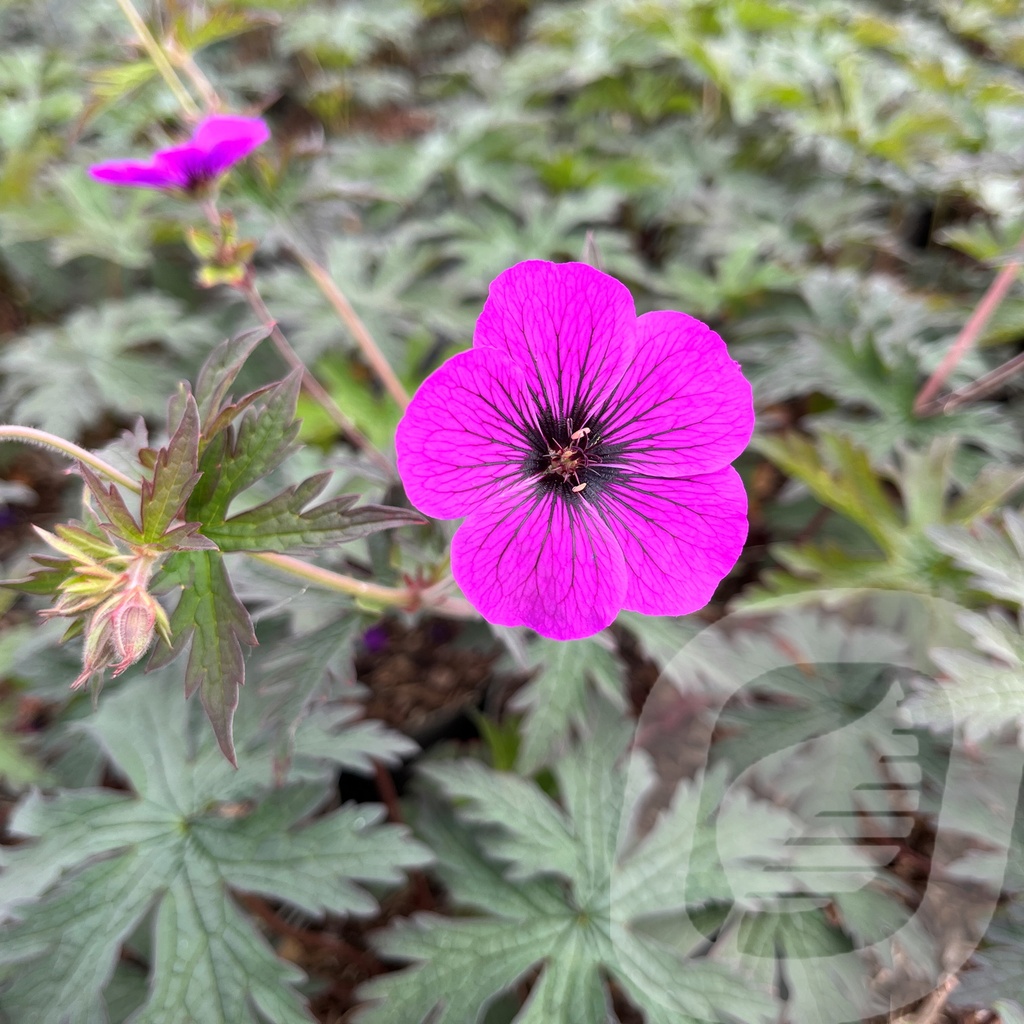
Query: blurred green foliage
[[831, 184]]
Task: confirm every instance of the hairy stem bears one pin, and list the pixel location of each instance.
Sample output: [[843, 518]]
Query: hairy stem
[[397, 597], [159, 58], [926, 403], [434, 597], [310, 384], [194, 73], [47, 440], [350, 318]]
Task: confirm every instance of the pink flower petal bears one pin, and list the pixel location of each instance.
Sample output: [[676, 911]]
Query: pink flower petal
[[220, 128], [464, 437], [226, 140], [682, 407], [531, 558], [134, 174], [679, 538], [568, 325], [187, 165], [218, 142]]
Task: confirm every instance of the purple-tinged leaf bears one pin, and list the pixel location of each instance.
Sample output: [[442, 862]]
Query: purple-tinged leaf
[[281, 525], [229, 413], [186, 537], [112, 505], [263, 441], [174, 474], [213, 457], [220, 370], [211, 620]]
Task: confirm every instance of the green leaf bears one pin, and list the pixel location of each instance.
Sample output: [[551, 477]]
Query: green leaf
[[1009, 1011], [335, 737], [211, 619], [180, 843], [114, 84], [662, 639], [174, 475], [995, 556], [120, 356], [17, 768], [569, 888], [982, 692], [804, 952], [926, 483], [824, 733], [112, 505], [218, 26], [281, 525], [82, 217], [849, 484], [233, 462], [557, 698], [221, 368]]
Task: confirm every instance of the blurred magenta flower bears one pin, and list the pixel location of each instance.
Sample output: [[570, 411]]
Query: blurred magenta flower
[[589, 451], [218, 142]]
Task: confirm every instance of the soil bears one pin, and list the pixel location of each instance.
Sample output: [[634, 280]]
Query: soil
[[421, 679]]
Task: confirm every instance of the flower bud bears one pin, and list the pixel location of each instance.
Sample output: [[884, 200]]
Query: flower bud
[[132, 623], [99, 652]]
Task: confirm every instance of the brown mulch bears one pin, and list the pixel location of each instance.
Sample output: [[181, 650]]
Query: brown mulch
[[420, 677]]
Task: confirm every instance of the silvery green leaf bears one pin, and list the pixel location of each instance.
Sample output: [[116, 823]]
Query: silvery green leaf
[[995, 556], [567, 887], [190, 833], [980, 690], [556, 698]]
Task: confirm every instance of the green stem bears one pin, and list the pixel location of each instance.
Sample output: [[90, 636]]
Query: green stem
[[396, 597], [310, 384], [329, 580], [41, 437], [195, 75], [159, 58], [400, 597], [248, 287]]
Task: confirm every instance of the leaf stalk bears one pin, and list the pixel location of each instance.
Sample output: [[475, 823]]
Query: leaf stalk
[[159, 58], [926, 403]]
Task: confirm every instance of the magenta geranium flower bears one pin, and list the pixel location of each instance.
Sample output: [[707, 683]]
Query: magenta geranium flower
[[588, 449], [217, 143]]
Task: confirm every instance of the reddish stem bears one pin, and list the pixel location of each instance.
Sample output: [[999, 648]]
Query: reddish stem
[[345, 951], [389, 797], [925, 404]]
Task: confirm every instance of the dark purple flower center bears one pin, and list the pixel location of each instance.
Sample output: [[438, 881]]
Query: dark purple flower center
[[196, 174], [567, 456]]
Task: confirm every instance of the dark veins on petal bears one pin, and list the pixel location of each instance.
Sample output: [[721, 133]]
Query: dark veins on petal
[[196, 171]]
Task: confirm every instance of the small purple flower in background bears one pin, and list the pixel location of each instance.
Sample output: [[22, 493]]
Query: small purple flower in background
[[589, 451], [217, 143]]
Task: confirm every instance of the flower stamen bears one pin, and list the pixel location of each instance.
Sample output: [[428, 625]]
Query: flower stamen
[[570, 459]]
